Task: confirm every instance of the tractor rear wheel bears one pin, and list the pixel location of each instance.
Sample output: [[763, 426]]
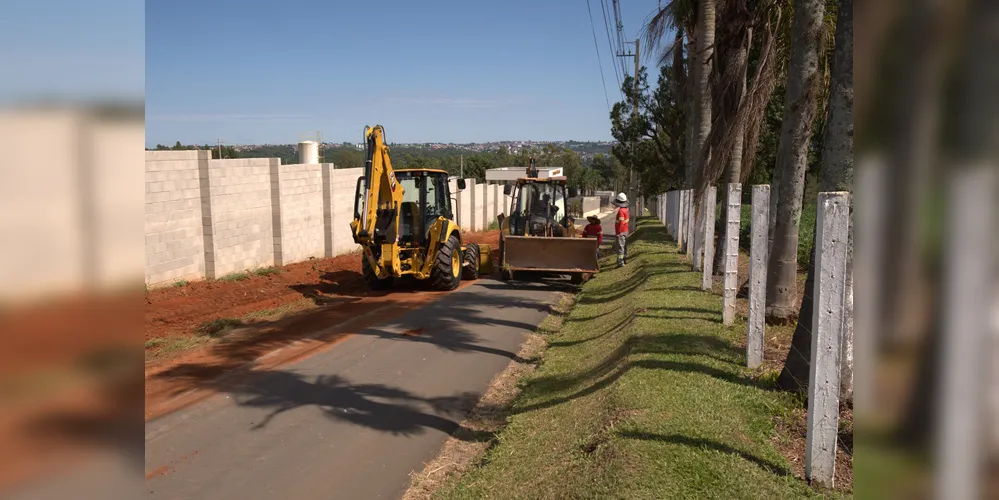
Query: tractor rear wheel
[[371, 279], [470, 271], [445, 275]]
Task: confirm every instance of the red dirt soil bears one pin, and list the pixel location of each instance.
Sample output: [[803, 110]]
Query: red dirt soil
[[322, 301]]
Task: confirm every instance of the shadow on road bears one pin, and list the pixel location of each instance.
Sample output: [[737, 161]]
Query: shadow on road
[[374, 406], [454, 323]]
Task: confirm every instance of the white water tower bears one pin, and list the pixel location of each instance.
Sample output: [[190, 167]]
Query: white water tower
[[308, 152]]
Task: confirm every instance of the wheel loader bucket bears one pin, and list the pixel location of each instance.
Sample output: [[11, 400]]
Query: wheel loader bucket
[[533, 253], [485, 260]]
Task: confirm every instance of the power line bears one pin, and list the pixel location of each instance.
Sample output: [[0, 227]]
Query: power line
[[597, 47], [620, 33], [610, 45]]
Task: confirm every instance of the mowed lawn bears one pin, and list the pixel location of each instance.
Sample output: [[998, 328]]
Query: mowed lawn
[[642, 393]]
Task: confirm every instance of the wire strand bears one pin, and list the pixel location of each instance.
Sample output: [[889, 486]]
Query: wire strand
[[596, 47], [611, 47]]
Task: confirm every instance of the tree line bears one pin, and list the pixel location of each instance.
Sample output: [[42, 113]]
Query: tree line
[[751, 93], [602, 170]]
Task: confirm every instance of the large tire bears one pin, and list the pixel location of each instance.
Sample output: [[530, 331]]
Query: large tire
[[577, 279], [445, 275], [470, 271], [371, 279]]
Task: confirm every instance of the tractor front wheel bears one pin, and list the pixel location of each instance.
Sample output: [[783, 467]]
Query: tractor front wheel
[[471, 270], [446, 273]]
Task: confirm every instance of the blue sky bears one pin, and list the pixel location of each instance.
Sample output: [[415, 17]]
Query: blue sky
[[72, 49], [255, 71]]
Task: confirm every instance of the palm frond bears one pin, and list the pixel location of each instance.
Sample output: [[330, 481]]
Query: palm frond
[[753, 105]]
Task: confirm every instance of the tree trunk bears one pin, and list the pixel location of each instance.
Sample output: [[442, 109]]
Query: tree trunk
[[705, 48], [799, 109], [691, 117], [794, 375], [733, 170], [836, 174]]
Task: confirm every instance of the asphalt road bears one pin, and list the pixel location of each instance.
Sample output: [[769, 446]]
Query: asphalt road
[[352, 422]]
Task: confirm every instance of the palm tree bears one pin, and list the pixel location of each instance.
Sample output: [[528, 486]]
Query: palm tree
[[836, 174], [803, 79]]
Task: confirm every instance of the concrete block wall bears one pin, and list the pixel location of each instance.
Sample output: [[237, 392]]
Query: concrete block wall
[[506, 201], [119, 257], [466, 205], [174, 228], [245, 209], [478, 206], [70, 203], [302, 216], [495, 202], [493, 194], [463, 208], [343, 189], [208, 218]]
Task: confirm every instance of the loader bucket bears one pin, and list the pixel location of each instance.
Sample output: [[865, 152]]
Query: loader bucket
[[569, 255], [485, 260]]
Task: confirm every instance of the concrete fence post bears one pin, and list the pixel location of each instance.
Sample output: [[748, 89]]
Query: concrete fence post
[[662, 209], [734, 207], [458, 195], [832, 243], [681, 220], [470, 218], [328, 210], [691, 225], [869, 195], [276, 227], [968, 337], [485, 207], [688, 214], [668, 211], [208, 222], [759, 241], [707, 247], [674, 215]]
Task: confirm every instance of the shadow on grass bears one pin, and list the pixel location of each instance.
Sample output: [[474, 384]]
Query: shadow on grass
[[615, 365], [702, 443], [620, 325], [678, 288]]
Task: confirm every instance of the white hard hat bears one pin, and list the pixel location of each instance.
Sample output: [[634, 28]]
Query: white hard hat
[[622, 198]]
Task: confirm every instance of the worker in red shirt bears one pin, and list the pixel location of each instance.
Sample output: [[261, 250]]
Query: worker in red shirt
[[621, 221], [594, 229]]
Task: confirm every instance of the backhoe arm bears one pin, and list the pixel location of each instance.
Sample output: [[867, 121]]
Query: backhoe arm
[[378, 226]]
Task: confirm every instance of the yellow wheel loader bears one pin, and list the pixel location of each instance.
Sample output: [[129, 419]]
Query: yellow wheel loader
[[404, 223], [539, 236]]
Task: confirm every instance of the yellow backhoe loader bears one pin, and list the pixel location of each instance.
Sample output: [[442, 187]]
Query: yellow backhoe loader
[[539, 235], [404, 222]]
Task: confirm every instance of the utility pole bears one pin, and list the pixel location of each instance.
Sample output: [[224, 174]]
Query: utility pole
[[461, 166], [634, 112], [220, 148]]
